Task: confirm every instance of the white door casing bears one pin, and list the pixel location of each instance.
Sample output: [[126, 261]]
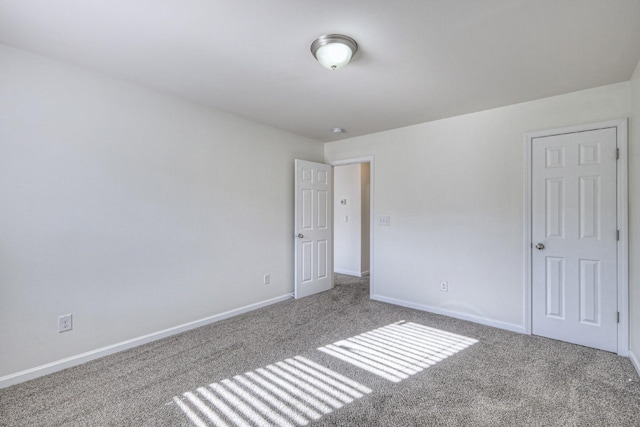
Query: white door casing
[[313, 228], [578, 271], [372, 176]]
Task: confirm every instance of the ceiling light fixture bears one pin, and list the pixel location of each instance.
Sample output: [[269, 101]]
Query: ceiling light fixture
[[338, 130], [334, 51]]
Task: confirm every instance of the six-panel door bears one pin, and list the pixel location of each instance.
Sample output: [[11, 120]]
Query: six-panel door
[[574, 236], [313, 225]]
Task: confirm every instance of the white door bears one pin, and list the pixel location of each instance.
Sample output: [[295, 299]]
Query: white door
[[574, 236], [313, 228]]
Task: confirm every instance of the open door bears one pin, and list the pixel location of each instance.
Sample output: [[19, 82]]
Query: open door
[[313, 228]]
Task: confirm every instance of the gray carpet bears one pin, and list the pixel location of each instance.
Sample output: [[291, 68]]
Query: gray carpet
[[503, 379]]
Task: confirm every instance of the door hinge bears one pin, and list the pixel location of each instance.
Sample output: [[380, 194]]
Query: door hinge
[[618, 317], [617, 154], [618, 235]]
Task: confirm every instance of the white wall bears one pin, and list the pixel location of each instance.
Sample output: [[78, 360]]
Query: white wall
[[454, 190], [634, 220], [351, 237], [347, 234], [130, 209], [365, 192]]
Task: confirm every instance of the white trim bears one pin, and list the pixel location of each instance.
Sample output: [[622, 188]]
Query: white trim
[[79, 359], [350, 273], [622, 217], [623, 243], [462, 316], [347, 272], [527, 234], [635, 361], [372, 186]]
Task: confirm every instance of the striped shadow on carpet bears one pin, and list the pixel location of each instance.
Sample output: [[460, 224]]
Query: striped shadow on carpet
[[298, 390], [396, 351], [285, 394]]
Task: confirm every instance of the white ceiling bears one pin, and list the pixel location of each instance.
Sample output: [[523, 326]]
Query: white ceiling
[[419, 60]]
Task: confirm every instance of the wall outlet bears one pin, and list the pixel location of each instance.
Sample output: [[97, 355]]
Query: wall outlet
[[64, 323], [267, 279], [444, 286]]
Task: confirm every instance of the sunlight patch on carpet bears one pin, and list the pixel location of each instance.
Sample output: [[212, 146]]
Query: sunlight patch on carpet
[[399, 350], [288, 393]]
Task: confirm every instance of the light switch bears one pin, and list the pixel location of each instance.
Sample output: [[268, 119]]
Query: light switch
[[384, 221]]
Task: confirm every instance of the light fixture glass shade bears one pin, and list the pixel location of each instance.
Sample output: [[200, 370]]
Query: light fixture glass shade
[[334, 56], [334, 51]]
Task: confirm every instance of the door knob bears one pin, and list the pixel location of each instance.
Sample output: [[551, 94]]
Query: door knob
[[300, 236], [540, 246]]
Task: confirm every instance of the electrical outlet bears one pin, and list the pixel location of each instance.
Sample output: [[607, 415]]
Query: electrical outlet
[[444, 286], [267, 279], [64, 323]]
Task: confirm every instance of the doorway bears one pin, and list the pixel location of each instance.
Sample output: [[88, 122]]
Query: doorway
[[353, 190], [576, 222], [351, 212]]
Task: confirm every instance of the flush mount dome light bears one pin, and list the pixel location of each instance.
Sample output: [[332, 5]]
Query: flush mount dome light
[[334, 51]]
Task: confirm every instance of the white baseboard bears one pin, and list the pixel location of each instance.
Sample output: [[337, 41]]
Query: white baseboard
[[635, 361], [463, 316], [351, 273], [79, 359]]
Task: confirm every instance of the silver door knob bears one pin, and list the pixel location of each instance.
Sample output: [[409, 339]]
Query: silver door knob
[[540, 246], [300, 236]]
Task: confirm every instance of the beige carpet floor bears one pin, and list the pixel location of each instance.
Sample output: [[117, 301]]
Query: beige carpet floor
[[280, 363]]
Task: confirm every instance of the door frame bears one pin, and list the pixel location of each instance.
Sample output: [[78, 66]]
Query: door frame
[[622, 209], [354, 161]]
